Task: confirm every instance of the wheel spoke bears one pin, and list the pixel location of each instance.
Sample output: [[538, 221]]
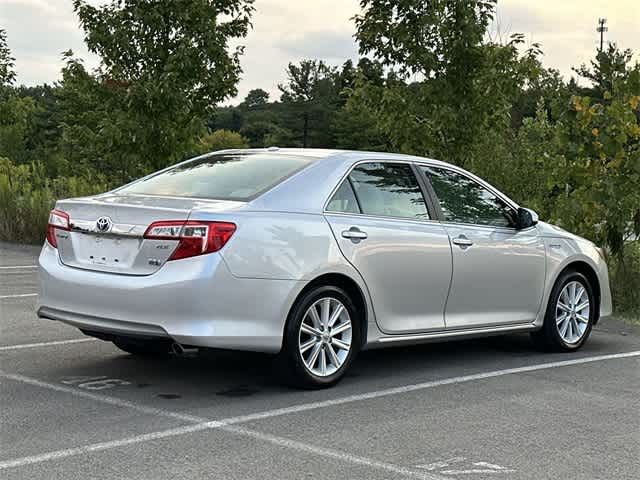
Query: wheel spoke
[[325, 308], [582, 318], [323, 362], [313, 313], [579, 293], [341, 345], [570, 330], [343, 327], [572, 293], [314, 355], [307, 345], [576, 328], [333, 357], [563, 307], [563, 329], [561, 318], [582, 306], [336, 314], [309, 330]]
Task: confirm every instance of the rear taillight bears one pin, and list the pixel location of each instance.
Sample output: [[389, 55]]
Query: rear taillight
[[194, 237], [57, 220]]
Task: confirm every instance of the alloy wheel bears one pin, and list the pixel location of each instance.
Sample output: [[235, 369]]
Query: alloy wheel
[[325, 335], [573, 310]]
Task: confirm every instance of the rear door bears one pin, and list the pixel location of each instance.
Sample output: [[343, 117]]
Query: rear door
[[498, 271], [383, 226]]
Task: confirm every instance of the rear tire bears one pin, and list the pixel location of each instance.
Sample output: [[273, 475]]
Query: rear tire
[[145, 348], [319, 347], [570, 315]]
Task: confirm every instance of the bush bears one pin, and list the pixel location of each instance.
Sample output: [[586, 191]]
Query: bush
[[27, 196], [221, 140], [625, 280]]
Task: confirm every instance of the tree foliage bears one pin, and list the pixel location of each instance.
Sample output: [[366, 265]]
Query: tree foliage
[[7, 73], [164, 66]]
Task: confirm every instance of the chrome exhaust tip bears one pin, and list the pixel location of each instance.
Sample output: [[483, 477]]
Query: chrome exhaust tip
[[181, 350]]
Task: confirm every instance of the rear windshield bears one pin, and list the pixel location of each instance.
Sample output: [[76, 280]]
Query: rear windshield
[[236, 176]]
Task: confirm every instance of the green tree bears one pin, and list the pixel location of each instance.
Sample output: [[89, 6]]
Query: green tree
[[14, 110], [450, 93], [7, 74], [608, 68], [255, 98], [164, 66], [311, 95], [599, 173], [355, 125]]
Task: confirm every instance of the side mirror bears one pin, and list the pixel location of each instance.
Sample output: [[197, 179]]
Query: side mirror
[[526, 218]]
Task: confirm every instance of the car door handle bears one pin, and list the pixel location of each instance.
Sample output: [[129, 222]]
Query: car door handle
[[354, 233], [462, 241]]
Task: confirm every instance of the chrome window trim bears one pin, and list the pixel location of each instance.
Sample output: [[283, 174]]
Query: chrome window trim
[[382, 217]]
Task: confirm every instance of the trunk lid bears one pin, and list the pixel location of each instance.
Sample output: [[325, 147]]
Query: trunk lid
[[107, 231]]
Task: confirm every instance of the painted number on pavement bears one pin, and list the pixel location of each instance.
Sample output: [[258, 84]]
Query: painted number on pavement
[[94, 383], [458, 466]]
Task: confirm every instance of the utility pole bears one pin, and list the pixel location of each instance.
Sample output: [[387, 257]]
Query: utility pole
[[601, 29], [306, 129]]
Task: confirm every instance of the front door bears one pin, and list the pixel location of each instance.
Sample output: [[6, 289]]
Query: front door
[[383, 227], [498, 271]]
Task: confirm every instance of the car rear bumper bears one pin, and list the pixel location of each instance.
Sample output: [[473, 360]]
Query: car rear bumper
[[194, 301]]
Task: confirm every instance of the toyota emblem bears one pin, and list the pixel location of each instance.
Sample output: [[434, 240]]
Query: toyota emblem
[[103, 224]]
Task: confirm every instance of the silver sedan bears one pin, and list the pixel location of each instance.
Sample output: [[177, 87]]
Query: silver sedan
[[314, 255]]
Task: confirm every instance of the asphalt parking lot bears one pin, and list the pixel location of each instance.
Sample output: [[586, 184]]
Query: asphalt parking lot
[[77, 408]]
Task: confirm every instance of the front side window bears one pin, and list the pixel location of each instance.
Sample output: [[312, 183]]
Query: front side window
[[388, 189], [462, 200]]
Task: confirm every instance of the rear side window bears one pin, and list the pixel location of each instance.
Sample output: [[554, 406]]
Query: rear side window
[[462, 200], [344, 200], [239, 176], [388, 189]]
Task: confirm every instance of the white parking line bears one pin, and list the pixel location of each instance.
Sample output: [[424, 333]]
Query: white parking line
[[117, 402], [225, 424], [337, 455], [19, 295], [17, 267], [199, 424], [421, 386], [46, 344]]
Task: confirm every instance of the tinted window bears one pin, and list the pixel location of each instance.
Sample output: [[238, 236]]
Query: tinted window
[[388, 189], [238, 176], [466, 201], [344, 200]]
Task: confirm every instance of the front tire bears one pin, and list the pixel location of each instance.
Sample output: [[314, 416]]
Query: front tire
[[571, 313], [322, 337]]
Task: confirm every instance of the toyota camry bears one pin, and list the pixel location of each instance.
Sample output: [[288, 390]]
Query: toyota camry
[[314, 255]]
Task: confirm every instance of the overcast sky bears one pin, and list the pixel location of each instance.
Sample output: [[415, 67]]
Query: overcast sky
[[290, 30]]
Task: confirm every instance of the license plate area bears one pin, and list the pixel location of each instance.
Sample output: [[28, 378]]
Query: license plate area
[[107, 251]]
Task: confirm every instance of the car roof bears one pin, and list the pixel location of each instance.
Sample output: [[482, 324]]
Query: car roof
[[348, 156], [309, 189]]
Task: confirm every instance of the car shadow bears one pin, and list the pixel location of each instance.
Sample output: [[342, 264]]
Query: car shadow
[[233, 374]]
